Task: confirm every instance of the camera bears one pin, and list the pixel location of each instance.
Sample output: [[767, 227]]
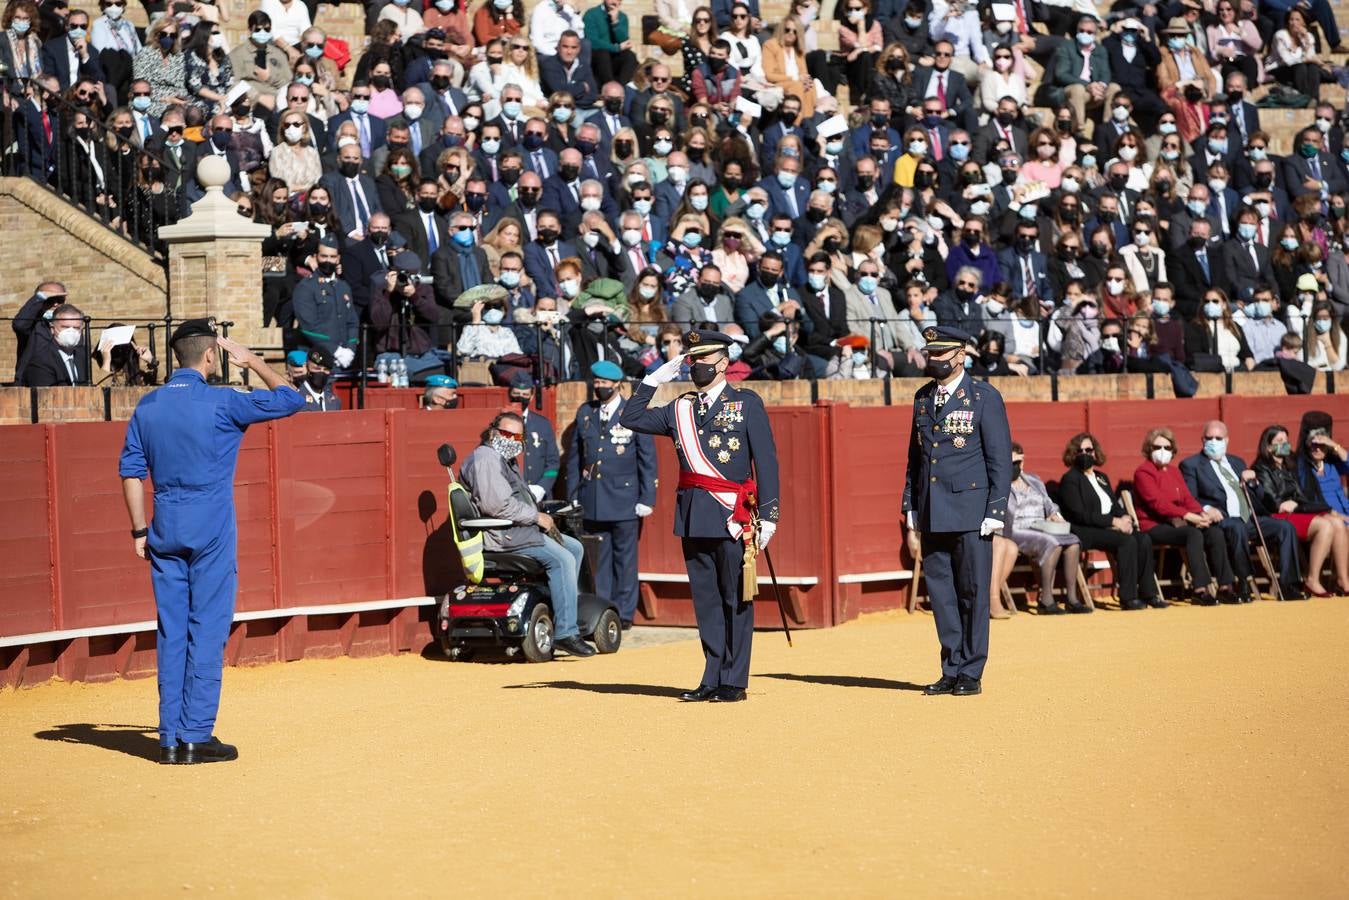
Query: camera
[[403, 279], [549, 316]]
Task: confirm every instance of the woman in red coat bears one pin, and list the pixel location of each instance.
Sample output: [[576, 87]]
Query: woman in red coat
[[1169, 514]]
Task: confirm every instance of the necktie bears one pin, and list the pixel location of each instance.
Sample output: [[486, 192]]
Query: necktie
[[432, 241], [936, 143], [145, 127], [638, 263], [1222, 216], [1315, 165], [47, 126], [646, 230], [540, 165], [382, 255], [552, 255], [1027, 277], [1255, 257], [416, 135], [1021, 25], [791, 202], [941, 88], [1230, 477], [357, 195], [363, 128], [590, 168], [1260, 232], [70, 367], [1202, 256]]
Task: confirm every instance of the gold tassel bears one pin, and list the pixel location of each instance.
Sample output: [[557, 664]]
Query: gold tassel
[[749, 572]]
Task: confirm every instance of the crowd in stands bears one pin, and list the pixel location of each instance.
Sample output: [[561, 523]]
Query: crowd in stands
[[1080, 191]]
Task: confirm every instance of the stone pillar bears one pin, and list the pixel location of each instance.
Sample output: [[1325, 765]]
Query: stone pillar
[[215, 262]]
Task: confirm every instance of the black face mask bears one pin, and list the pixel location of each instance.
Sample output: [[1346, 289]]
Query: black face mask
[[864, 182], [318, 210], [318, 380], [547, 235], [1064, 125], [1069, 214], [659, 116], [880, 120], [1263, 180], [1016, 470], [703, 373], [623, 149], [698, 121], [832, 245], [327, 269], [1084, 461], [349, 169], [613, 105], [716, 65], [732, 182], [427, 204], [1100, 251], [379, 238], [922, 179], [708, 291], [586, 147], [1006, 118], [279, 208], [940, 369], [381, 82], [533, 141], [440, 82], [394, 146], [768, 280], [519, 399], [510, 176], [604, 394], [1107, 215], [1025, 244], [569, 173], [452, 404], [529, 200], [989, 359], [1118, 182], [1197, 243], [816, 215]]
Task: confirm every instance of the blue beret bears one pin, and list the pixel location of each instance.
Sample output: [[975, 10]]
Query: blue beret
[[607, 370], [441, 381], [297, 357]]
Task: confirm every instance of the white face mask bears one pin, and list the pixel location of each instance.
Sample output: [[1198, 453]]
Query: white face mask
[[1128, 154], [294, 133], [1110, 344], [1161, 457], [1114, 286], [1071, 185], [68, 338], [631, 236], [590, 204], [570, 287], [591, 239], [412, 111], [994, 307]]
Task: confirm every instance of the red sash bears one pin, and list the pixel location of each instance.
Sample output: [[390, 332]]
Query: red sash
[[746, 498]]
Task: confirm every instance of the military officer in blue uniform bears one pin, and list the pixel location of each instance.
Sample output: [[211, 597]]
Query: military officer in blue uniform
[[185, 436], [542, 462], [955, 496], [728, 495], [316, 384], [611, 472]]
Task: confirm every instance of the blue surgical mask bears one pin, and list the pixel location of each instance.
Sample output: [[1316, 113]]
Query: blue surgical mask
[[734, 350], [960, 152], [1322, 326], [859, 358], [1259, 154], [20, 26], [692, 239], [313, 52], [780, 344], [141, 104], [917, 148], [817, 281], [261, 37], [698, 202], [1165, 128], [1196, 207], [1215, 448], [787, 179], [1217, 146], [781, 238], [1088, 161], [1161, 309], [1213, 309], [511, 108], [1028, 211], [756, 211], [510, 279], [305, 80], [1084, 39], [827, 186], [77, 34], [642, 207], [1175, 43], [1289, 243], [833, 148], [562, 113], [867, 284], [493, 316], [463, 238], [1246, 231], [912, 22], [1129, 37], [360, 106]]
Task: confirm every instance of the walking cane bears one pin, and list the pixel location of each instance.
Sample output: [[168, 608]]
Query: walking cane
[[777, 592], [1265, 559]]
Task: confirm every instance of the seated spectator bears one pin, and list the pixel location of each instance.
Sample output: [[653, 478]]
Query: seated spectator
[[295, 160], [487, 336], [1069, 85], [774, 354], [539, 333], [1282, 497], [707, 300], [1231, 493], [407, 321], [1260, 325], [1143, 258], [646, 310], [670, 344], [960, 307], [1029, 505], [1213, 342], [737, 249], [1293, 59], [1185, 80], [461, 264], [1078, 327], [1109, 358], [990, 357], [1325, 341], [499, 490], [611, 53], [1170, 515], [1322, 463], [318, 393], [1099, 521]]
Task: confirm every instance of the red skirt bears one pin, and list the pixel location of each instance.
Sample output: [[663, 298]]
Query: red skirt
[[1301, 521]]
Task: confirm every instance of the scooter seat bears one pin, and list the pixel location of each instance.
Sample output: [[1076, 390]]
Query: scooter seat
[[503, 564]]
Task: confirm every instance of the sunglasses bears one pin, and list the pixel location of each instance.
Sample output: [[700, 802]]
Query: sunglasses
[[739, 16], [141, 94], [1165, 446], [360, 96], [518, 437], [942, 54]]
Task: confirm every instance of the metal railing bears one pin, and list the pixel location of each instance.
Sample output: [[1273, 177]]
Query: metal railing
[[112, 192]]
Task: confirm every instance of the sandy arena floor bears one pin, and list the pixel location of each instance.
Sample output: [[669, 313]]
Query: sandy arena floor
[[1191, 752]]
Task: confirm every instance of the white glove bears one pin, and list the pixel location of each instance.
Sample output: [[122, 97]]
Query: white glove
[[666, 373], [343, 357], [537, 492], [910, 521], [643, 510], [988, 526], [766, 530]]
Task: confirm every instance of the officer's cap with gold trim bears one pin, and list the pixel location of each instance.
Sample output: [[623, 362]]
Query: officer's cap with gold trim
[[701, 342], [941, 337]]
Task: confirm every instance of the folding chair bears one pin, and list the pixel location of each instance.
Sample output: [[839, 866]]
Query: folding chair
[[1127, 498]]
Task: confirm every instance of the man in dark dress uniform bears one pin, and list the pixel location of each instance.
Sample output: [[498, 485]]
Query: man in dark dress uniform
[[722, 437], [955, 496], [611, 472]]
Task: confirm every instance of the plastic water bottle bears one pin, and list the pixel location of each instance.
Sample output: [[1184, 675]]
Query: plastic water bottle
[[402, 374], [382, 371]]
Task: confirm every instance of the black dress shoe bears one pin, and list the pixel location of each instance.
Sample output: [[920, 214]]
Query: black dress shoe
[[701, 692], [966, 687], [206, 752], [168, 756], [1294, 593], [943, 685], [1202, 598], [1077, 609], [1132, 605], [727, 694], [1227, 596], [1052, 609], [575, 646], [1156, 603]]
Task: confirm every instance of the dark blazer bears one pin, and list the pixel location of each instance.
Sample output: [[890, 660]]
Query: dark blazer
[[957, 477], [437, 107], [540, 269], [1205, 485], [986, 138], [549, 159], [410, 226], [580, 83], [1199, 339], [1009, 261], [958, 96], [343, 205], [825, 328], [1188, 277], [752, 302], [179, 169], [448, 281], [777, 196], [512, 131], [1296, 170], [360, 264], [44, 366], [378, 129], [1080, 504], [601, 262], [541, 457], [665, 199], [558, 197], [601, 119], [42, 155], [1238, 273], [609, 484], [1133, 77], [56, 61]]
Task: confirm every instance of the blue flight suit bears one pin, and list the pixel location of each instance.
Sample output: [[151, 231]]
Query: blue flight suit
[[541, 458], [735, 436], [611, 469], [959, 473], [185, 436]]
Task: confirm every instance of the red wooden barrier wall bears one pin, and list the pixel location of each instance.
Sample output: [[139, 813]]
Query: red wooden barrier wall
[[350, 507]]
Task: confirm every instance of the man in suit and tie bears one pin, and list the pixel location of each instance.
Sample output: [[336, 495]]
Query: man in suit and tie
[[1005, 127], [1107, 214], [633, 255], [1133, 58], [595, 161], [600, 252], [879, 120], [145, 126], [1193, 267], [442, 98], [1309, 169], [423, 130], [707, 300], [944, 84], [460, 263], [641, 197], [790, 113], [1116, 125], [670, 192], [525, 208], [827, 308], [543, 255], [1244, 263], [425, 227], [858, 200], [70, 56], [1223, 202], [540, 159], [955, 496], [365, 259], [787, 192], [872, 313], [769, 292], [1116, 185], [512, 118], [371, 131], [1196, 207], [1245, 115], [1215, 478], [562, 189], [354, 195], [488, 154], [57, 353], [1025, 268], [933, 125], [782, 228], [1079, 73], [610, 120], [611, 473], [727, 499], [1211, 149]]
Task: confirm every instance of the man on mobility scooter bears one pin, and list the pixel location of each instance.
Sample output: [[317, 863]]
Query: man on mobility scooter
[[500, 492]]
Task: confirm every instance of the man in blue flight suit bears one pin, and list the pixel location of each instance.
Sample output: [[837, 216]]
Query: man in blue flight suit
[[955, 496], [186, 437], [611, 472], [722, 437], [542, 462]]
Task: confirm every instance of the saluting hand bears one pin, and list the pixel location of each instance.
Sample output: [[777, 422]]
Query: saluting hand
[[239, 354], [668, 372]]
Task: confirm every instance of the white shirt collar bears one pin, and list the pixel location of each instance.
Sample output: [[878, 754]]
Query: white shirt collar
[[953, 386], [712, 394], [610, 409]]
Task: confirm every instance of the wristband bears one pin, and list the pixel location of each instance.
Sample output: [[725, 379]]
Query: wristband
[[139, 532]]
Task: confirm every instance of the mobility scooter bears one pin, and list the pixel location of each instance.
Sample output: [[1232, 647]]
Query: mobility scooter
[[504, 604]]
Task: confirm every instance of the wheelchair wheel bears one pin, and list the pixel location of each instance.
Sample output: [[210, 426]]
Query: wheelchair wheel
[[538, 642], [608, 632]]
